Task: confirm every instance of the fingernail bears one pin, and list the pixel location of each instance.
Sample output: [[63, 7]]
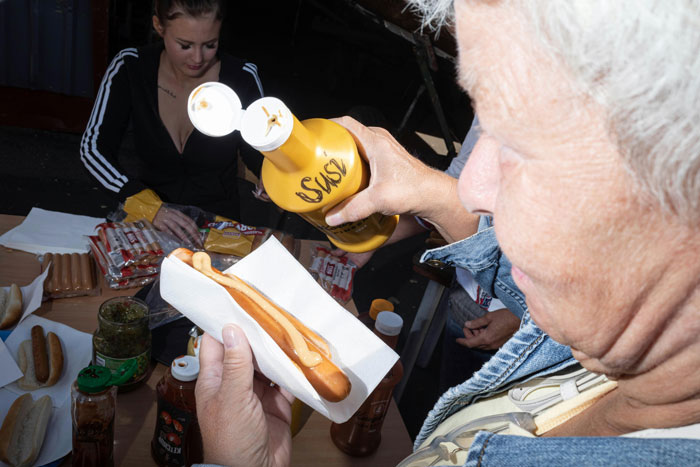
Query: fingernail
[[229, 336], [333, 220]]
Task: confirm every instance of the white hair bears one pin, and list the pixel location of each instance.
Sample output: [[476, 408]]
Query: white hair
[[640, 59]]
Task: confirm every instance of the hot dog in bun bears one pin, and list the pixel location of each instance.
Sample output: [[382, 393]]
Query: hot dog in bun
[[308, 351], [40, 359]]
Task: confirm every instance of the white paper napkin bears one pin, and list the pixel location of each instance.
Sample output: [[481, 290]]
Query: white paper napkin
[[57, 441], [32, 295], [9, 371], [51, 232], [77, 353], [273, 271]]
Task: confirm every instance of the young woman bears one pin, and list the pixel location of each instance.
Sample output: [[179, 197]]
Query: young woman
[[147, 88]]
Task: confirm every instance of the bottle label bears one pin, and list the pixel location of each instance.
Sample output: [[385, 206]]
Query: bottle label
[[172, 425], [313, 189], [370, 416], [114, 364]]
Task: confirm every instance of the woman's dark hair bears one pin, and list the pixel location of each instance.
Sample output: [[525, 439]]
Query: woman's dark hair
[[167, 10]]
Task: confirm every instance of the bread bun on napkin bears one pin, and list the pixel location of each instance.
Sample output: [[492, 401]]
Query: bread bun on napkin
[[49, 355], [23, 430], [10, 306]]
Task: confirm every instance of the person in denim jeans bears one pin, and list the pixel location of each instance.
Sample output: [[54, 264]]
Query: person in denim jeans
[[589, 167]]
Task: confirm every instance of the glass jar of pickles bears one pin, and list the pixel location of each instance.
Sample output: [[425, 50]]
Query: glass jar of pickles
[[123, 334]]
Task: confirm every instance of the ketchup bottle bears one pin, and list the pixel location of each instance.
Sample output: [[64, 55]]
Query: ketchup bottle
[[361, 435], [309, 166], [177, 439]]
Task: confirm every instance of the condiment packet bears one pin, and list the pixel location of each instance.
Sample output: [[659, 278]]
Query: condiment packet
[[57, 442], [274, 272], [77, 353]]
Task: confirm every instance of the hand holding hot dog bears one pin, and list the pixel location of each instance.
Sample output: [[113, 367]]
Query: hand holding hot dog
[[307, 350], [244, 420]]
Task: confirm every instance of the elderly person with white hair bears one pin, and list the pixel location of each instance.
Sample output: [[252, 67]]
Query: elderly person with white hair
[[589, 167]]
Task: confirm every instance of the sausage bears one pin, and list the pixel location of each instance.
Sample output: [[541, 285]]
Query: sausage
[[86, 281], [56, 273], [40, 353], [75, 271], [46, 263], [65, 273], [308, 351]]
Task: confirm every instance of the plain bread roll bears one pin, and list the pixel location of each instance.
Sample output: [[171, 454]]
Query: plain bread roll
[[23, 430], [10, 306]]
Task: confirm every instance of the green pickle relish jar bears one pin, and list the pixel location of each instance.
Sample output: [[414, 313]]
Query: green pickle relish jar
[[123, 334]]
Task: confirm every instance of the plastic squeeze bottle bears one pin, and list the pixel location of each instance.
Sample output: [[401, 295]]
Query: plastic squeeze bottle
[[177, 439], [309, 166], [361, 435], [378, 305], [93, 409]]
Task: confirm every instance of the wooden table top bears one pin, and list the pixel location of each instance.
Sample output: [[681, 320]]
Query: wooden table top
[[136, 410]]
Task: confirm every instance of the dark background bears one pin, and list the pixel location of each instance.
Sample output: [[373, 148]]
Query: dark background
[[323, 59]]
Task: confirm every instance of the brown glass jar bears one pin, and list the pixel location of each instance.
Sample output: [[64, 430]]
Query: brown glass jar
[[177, 439], [123, 334], [361, 435]]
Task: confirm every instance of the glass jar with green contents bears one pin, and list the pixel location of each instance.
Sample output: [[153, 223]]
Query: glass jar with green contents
[[122, 334]]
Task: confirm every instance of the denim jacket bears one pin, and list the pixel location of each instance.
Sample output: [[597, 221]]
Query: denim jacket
[[529, 354]]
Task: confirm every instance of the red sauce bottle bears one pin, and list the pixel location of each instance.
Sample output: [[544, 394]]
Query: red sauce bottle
[[177, 439], [361, 435]]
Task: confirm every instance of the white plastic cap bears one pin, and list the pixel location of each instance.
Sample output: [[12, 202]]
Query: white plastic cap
[[185, 368], [388, 323], [214, 109], [267, 124]]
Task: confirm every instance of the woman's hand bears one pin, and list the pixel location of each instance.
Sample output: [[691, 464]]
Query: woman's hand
[[401, 184], [396, 176], [177, 224], [244, 420], [490, 331]]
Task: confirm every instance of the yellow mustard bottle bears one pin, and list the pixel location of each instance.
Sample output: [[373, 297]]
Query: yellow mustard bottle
[[309, 166]]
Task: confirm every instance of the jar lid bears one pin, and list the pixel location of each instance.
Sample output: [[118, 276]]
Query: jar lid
[[378, 305], [185, 368], [95, 378], [389, 323]]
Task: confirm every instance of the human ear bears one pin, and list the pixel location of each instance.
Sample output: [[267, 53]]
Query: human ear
[[158, 26]]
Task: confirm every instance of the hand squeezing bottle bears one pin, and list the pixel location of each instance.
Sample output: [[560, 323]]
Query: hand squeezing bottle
[[309, 167]]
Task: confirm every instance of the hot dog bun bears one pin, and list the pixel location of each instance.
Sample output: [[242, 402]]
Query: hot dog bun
[[309, 352], [10, 306], [51, 348], [23, 430]]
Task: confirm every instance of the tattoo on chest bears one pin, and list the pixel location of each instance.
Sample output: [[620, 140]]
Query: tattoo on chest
[[167, 91]]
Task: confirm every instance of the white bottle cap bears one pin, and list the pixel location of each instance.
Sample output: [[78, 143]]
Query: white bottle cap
[[185, 368], [214, 109], [389, 323], [267, 124]]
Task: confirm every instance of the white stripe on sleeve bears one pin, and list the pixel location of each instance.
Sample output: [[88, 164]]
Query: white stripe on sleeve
[[90, 155], [253, 70]]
